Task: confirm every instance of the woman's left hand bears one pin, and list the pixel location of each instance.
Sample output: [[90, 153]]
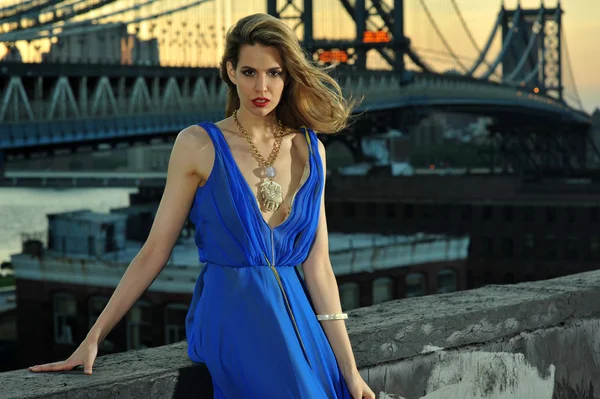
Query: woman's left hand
[[358, 387]]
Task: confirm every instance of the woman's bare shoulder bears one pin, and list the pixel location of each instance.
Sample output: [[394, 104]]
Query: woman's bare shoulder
[[196, 136], [199, 148]]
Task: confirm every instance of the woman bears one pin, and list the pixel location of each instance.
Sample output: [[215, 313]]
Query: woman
[[262, 330]]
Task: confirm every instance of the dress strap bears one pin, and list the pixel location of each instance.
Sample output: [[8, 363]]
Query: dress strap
[[311, 140], [215, 136], [314, 156]]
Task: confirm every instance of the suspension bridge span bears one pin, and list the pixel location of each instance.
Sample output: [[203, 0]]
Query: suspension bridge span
[[82, 73]]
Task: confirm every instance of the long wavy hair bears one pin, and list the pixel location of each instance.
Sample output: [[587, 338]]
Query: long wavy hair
[[310, 98]]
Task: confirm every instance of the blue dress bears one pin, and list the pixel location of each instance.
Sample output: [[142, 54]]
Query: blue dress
[[251, 320]]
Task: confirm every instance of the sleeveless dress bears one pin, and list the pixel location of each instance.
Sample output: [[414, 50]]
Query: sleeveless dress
[[251, 320]]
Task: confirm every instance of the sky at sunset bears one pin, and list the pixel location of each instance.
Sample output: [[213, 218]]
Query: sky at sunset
[[580, 27]]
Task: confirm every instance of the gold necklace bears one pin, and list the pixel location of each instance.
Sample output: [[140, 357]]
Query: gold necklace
[[270, 190]]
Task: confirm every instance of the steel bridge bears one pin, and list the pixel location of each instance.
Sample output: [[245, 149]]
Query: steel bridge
[[83, 73]]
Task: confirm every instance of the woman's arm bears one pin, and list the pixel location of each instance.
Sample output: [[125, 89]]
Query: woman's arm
[[323, 289], [188, 156], [181, 185]]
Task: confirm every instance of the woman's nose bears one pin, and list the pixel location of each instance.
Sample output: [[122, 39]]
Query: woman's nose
[[261, 84]]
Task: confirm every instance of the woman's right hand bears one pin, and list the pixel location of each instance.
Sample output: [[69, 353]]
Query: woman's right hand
[[84, 356]]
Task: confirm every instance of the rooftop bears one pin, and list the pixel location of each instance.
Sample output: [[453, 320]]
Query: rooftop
[[88, 215], [349, 253], [532, 340]]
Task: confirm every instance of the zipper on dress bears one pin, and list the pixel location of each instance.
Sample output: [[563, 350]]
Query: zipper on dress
[[285, 298]]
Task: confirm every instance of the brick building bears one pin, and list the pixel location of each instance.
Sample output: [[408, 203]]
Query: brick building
[[519, 229]]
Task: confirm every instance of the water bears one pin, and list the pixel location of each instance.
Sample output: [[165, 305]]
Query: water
[[24, 210]]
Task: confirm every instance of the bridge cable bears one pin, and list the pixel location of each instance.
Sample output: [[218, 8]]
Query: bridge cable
[[440, 35], [34, 10], [468, 32], [75, 29], [570, 68], [16, 5], [141, 19], [487, 46], [21, 7], [22, 34], [507, 41], [63, 17], [26, 34], [528, 49]]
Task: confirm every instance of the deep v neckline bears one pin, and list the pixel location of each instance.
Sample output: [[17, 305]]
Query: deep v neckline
[[250, 193]]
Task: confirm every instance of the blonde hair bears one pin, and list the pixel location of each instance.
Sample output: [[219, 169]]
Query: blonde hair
[[310, 98]]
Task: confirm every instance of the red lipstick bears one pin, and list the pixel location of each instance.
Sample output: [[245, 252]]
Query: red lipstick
[[260, 102]]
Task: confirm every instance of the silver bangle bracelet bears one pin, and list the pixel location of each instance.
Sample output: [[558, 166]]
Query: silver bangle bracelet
[[332, 316]]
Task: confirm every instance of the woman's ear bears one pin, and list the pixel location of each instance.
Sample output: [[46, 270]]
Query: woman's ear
[[231, 72]]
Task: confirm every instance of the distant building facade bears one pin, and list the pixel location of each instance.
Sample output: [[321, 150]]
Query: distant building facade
[[519, 230]]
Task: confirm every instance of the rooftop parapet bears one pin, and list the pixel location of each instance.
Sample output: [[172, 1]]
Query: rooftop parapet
[[531, 340]]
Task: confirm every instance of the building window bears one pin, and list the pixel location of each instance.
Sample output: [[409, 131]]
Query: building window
[[594, 248], [507, 213], [371, 209], [175, 322], [572, 250], [64, 310], [383, 290], [446, 211], [488, 277], [349, 296], [487, 212], [467, 212], [529, 214], [594, 214], [426, 211], [390, 210], [447, 281], [550, 215], [91, 245], [348, 209], [550, 250], [529, 246], [95, 306], [139, 326], [507, 247], [571, 217], [415, 285], [408, 211], [487, 245]]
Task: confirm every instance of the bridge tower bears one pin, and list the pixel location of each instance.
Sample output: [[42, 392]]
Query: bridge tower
[[378, 28], [546, 51]]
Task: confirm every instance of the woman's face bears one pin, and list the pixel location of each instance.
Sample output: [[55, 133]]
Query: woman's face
[[259, 78]]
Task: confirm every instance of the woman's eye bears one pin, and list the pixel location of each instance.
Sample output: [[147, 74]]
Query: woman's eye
[[275, 73], [248, 72]]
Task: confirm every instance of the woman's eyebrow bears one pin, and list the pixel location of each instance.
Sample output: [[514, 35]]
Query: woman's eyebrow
[[268, 69]]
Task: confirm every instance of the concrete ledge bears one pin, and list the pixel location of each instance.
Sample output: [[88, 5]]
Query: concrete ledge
[[532, 340]]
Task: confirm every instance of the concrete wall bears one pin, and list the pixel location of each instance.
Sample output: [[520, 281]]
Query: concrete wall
[[529, 341]]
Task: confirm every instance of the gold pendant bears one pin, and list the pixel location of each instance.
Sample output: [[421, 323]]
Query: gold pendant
[[271, 195]]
